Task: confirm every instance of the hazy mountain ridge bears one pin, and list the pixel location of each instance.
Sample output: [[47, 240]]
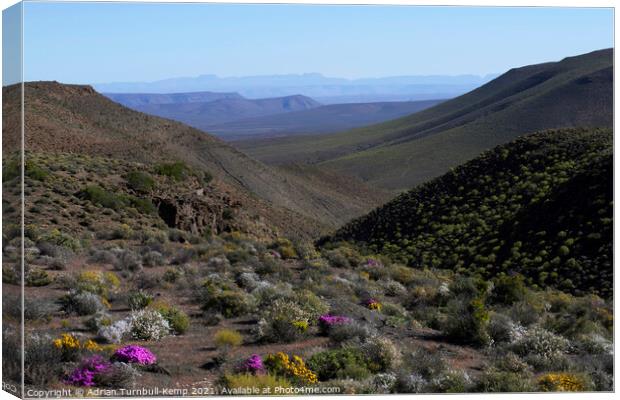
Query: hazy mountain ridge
[[139, 99], [323, 119], [196, 110], [577, 91], [328, 90]]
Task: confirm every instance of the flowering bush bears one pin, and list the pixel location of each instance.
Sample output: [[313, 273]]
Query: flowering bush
[[384, 382], [373, 304], [67, 341], [372, 262], [116, 332], [283, 320], [134, 354], [97, 282], [71, 346], [327, 321], [149, 325], [254, 364], [295, 368], [86, 373], [540, 342], [301, 326], [562, 383]]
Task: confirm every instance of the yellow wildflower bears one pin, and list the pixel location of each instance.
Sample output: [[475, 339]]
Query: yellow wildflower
[[67, 341], [91, 345], [296, 368], [563, 382]]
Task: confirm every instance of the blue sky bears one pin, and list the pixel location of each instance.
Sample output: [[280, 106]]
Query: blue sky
[[104, 42]]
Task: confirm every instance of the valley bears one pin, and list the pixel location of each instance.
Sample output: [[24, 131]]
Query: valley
[[459, 246]]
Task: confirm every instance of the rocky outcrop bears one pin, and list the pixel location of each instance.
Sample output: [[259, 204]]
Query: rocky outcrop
[[200, 212]]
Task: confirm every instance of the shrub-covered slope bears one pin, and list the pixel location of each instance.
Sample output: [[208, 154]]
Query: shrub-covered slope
[[541, 206]]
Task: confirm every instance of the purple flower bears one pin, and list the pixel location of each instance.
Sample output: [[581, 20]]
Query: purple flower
[[327, 321], [134, 354], [254, 364], [89, 368], [371, 262]]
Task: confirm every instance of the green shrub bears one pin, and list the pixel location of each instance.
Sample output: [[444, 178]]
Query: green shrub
[[37, 277], [178, 170], [139, 300], [311, 304], [468, 318], [177, 319], [100, 196], [266, 383], [122, 231], [508, 289], [58, 238], [144, 206], [283, 320], [229, 303], [140, 181], [11, 274], [285, 248], [11, 170], [98, 282], [343, 257], [228, 338], [467, 321], [172, 275], [504, 382], [34, 171], [340, 363]]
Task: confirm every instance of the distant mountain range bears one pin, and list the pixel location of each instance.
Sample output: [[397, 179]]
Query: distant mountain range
[[232, 117], [325, 119], [399, 154], [145, 99], [324, 89], [204, 109]]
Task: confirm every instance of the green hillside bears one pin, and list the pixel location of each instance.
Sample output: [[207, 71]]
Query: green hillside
[[574, 92], [541, 206]]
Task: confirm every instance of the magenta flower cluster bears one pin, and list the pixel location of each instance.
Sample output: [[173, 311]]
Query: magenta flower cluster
[[254, 364], [371, 262], [134, 354], [85, 374], [330, 320], [326, 321]]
